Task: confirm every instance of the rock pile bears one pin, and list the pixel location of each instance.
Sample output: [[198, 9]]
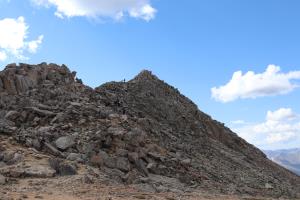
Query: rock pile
[[134, 131]]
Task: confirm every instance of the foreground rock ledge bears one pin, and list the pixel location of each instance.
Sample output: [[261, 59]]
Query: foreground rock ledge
[[141, 132]]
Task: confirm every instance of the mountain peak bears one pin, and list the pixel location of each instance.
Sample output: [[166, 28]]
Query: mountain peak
[[145, 75]]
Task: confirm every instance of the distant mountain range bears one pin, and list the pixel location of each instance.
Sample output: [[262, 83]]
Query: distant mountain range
[[289, 158]]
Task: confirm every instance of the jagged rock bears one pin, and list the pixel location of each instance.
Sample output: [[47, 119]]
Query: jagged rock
[[16, 80]]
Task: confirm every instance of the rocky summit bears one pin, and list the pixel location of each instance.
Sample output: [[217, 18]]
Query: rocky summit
[[141, 134]]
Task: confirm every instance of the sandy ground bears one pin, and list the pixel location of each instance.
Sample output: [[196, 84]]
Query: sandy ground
[[72, 188]]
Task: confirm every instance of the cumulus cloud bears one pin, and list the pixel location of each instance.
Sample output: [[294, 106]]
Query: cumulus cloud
[[33, 45], [116, 9], [280, 127], [251, 85], [3, 56], [281, 114], [13, 39]]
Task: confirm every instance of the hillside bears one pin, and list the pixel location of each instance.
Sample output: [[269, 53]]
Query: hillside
[[142, 132]]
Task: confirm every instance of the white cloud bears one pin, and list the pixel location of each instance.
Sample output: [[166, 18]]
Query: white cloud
[[13, 39], [238, 122], [33, 45], [281, 127], [281, 114], [3, 56], [116, 9], [250, 85]]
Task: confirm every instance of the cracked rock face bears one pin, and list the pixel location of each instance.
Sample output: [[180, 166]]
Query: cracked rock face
[[133, 131], [19, 79]]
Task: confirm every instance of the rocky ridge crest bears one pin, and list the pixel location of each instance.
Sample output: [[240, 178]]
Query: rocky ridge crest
[[133, 131]]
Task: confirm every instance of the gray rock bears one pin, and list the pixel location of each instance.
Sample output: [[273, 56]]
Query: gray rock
[[75, 157], [76, 104], [67, 170], [122, 152], [65, 142], [39, 171], [53, 150], [116, 131], [152, 167], [2, 180], [12, 115], [138, 163], [268, 186], [43, 113], [62, 168], [17, 157], [7, 127], [122, 164], [186, 161], [133, 157], [2, 164], [110, 162]]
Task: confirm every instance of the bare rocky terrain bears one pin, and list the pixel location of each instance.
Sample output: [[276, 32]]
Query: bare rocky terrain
[[139, 139]]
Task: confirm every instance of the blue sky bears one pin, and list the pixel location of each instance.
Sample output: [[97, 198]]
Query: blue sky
[[194, 45]]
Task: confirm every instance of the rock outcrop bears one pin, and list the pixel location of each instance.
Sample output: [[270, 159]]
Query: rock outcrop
[[134, 131]]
